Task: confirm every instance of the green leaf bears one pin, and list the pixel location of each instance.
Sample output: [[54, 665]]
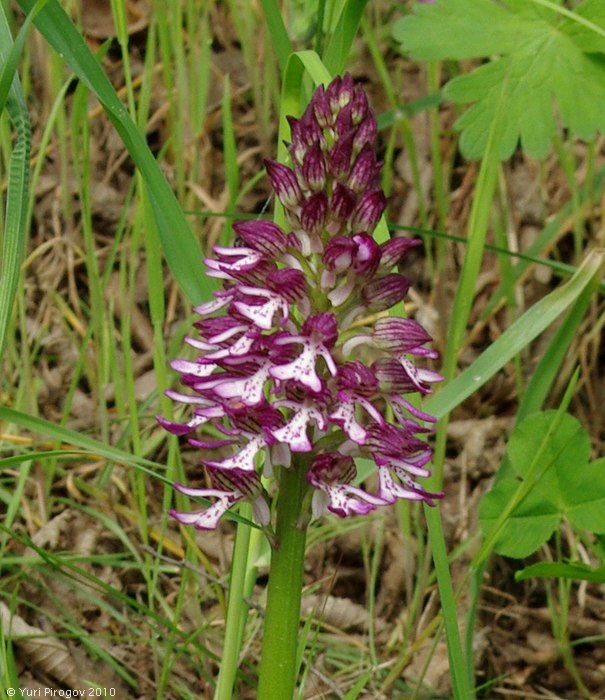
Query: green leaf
[[543, 58], [529, 527], [522, 332], [343, 36], [593, 11], [569, 445], [14, 238], [433, 31], [562, 485], [583, 488], [550, 569]]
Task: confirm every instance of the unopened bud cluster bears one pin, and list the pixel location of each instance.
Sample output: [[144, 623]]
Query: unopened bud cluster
[[282, 346]]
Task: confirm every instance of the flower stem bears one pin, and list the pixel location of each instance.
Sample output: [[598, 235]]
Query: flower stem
[[278, 669], [236, 609]]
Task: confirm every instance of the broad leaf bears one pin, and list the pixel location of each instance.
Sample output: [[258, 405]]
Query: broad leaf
[[530, 526], [542, 59], [565, 485]]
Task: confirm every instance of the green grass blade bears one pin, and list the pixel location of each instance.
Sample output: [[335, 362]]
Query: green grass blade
[[339, 46], [15, 230], [71, 437], [277, 30], [10, 53], [518, 336], [180, 247], [61, 434]]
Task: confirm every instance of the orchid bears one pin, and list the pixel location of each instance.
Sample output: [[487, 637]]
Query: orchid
[[296, 352]]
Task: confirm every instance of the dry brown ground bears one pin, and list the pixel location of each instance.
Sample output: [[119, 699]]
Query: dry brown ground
[[514, 639]]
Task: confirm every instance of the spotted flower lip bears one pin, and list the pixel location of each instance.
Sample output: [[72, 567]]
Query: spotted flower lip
[[295, 353], [331, 475]]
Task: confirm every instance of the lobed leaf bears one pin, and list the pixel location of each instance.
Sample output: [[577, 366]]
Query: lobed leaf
[[543, 58], [563, 485], [529, 527]]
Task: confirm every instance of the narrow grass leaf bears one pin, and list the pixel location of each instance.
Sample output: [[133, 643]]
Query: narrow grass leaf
[[277, 32], [90, 445], [548, 569], [518, 336], [339, 46], [15, 230], [10, 52], [180, 247]]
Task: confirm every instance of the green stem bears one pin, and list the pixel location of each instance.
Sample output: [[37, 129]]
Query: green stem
[[278, 669], [236, 609]]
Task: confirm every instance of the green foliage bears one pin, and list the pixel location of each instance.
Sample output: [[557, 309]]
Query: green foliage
[[541, 56], [14, 236], [565, 485], [554, 569], [180, 247]]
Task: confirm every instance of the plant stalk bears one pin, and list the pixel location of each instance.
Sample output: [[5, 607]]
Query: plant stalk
[[278, 668]]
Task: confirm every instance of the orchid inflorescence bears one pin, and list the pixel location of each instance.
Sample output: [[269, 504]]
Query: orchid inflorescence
[[282, 345]]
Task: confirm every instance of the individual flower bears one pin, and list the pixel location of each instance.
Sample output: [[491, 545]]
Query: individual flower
[[296, 352]]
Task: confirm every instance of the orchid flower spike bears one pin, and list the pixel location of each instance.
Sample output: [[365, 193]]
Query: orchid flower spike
[[283, 347]]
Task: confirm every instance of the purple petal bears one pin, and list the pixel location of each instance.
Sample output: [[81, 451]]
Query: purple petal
[[249, 389], [263, 236], [368, 211], [395, 250], [284, 183], [321, 108], [365, 134], [294, 433], [364, 172], [181, 428], [382, 293], [399, 335], [339, 158], [359, 105], [313, 213], [314, 169]]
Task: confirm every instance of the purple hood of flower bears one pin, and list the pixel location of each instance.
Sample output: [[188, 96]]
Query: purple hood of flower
[[283, 346]]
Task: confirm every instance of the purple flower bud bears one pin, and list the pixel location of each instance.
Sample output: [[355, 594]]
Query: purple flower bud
[[313, 213], [359, 106], [342, 203], [367, 254], [314, 169], [284, 183], [305, 133], [264, 236], [402, 377], [381, 293], [322, 327], [368, 211], [400, 335], [355, 376], [339, 252], [390, 443], [289, 283], [339, 158], [340, 92], [321, 108], [365, 135], [344, 121], [395, 250], [364, 172]]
